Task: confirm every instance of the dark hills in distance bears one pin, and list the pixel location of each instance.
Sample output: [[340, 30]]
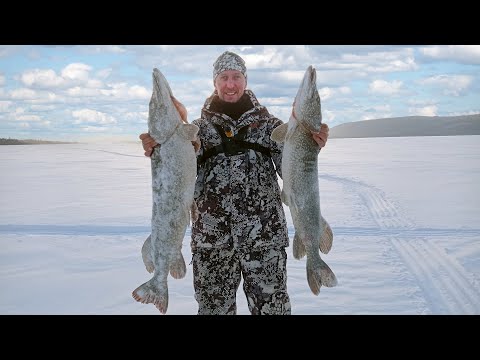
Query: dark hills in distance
[[9, 141], [409, 126]]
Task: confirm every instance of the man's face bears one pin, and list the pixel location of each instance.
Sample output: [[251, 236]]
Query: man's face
[[230, 85]]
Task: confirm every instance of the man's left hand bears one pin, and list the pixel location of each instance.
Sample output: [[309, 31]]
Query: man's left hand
[[322, 136]]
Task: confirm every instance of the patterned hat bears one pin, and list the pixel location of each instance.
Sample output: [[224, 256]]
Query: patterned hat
[[229, 61]]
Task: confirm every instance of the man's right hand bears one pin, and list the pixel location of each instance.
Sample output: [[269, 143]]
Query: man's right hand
[[148, 143]]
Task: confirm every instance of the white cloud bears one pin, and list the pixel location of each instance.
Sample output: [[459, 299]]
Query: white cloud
[[9, 50], [417, 102], [467, 54], [449, 84], [384, 87], [45, 97], [376, 61], [294, 77], [430, 110], [276, 101], [138, 92], [5, 105], [78, 91], [94, 129], [29, 118], [32, 96], [281, 112], [2, 79], [140, 116], [19, 115], [328, 117], [376, 115], [92, 116], [461, 113], [276, 57], [93, 83], [344, 90], [377, 111], [328, 92], [102, 49], [386, 108], [42, 107], [76, 72], [124, 92], [23, 94], [41, 78], [325, 93], [104, 73], [115, 91]]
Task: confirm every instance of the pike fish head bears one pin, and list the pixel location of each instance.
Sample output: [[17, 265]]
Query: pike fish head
[[163, 117], [306, 107]]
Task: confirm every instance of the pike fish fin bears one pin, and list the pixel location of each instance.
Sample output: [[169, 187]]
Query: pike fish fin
[[318, 275], [147, 254], [178, 268], [188, 131], [314, 281], [279, 133], [149, 293], [326, 239], [298, 248]]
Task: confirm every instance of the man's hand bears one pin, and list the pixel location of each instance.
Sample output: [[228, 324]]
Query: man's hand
[[322, 136], [148, 143], [182, 110]]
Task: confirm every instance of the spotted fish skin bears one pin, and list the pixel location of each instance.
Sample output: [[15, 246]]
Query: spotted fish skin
[[173, 167], [300, 190]]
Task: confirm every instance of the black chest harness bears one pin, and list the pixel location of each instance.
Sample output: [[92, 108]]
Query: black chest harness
[[232, 145]]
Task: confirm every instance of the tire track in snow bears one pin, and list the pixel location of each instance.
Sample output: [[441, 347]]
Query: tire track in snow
[[113, 152], [385, 214], [437, 278], [445, 283], [461, 278]]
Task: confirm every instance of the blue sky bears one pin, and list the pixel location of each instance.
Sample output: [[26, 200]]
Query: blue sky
[[89, 92]]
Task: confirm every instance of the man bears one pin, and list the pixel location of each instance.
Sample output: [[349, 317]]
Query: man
[[241, 230]]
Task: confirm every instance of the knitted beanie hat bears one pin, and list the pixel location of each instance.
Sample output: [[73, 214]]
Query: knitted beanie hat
[[229, 61]]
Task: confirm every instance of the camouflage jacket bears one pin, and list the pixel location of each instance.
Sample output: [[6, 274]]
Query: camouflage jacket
[[238, 196]]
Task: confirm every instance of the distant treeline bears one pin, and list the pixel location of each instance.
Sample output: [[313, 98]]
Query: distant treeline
[[4, 141]]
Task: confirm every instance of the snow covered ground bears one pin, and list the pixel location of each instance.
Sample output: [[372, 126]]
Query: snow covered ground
[[404, 211]]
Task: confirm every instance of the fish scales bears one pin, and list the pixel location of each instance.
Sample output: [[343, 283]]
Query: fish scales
[[300, 190], [173, 168]]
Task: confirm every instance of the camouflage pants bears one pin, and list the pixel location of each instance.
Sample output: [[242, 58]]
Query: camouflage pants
[[217, 274]]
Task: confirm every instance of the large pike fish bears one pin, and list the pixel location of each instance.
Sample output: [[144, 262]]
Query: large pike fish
[[300, 190], [173, 180]]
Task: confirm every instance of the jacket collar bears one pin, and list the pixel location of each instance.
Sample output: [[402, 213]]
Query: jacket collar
[[247, 118]]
